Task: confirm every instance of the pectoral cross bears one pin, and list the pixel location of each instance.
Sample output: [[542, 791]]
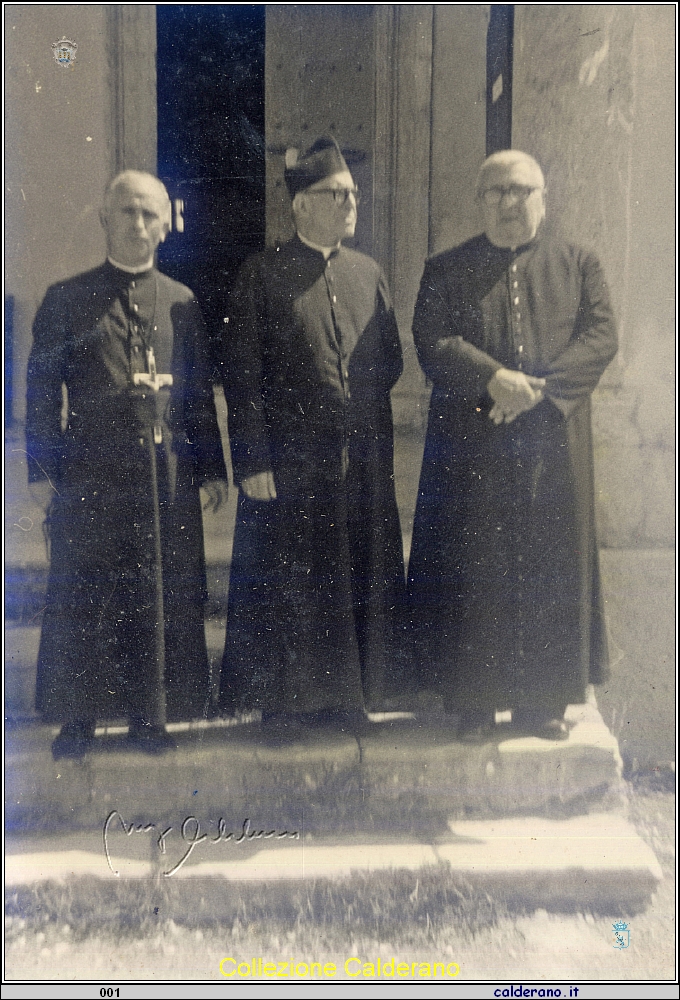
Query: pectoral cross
[[155, 382]]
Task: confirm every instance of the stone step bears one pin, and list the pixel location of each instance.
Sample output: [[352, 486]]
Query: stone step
[[408, 775], [595, 861]]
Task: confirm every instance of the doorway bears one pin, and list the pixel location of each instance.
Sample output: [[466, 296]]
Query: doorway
[[499, 57], [211, 151]]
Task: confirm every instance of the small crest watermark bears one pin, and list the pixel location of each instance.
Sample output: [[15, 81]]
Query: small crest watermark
[[621, 935], [64, 52]]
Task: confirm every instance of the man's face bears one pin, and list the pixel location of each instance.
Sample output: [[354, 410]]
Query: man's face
[[135, 221], [512, 198], [323, 220]]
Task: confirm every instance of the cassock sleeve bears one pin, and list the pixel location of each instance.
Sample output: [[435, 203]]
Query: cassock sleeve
[[242, 375], [45, 376], [450, 361], [577, 370], [199, 403]]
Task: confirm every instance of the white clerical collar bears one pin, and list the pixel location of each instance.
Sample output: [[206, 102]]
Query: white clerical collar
[[132, 270], [326, 251]]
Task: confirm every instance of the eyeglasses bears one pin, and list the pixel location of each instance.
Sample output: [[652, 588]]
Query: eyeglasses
[[340, 195], [518, 192]]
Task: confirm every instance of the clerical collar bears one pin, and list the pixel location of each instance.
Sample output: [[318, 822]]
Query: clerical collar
[[326, 251], [514, 251], [132, 270]]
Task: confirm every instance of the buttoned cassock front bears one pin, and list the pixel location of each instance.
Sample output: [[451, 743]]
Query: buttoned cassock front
[[504, 583], [97, 649], [317, 581]]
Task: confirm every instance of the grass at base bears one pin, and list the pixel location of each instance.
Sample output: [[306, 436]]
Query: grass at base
[[385, 905]]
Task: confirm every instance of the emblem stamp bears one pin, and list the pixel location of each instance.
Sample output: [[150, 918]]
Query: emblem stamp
[[621, 935], [64, 52]]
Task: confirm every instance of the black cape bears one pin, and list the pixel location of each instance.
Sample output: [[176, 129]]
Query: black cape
[[317, 579], [97, 644], [506, 604]]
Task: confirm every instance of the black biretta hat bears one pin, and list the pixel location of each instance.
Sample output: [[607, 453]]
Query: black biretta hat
[[321, 160]]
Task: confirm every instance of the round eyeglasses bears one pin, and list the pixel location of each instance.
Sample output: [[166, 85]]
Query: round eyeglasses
[[518, 192], [340, 195]]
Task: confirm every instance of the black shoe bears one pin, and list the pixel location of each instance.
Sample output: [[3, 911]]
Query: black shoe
[[149, 739], [74, 740], [551, 729], [545, 727]]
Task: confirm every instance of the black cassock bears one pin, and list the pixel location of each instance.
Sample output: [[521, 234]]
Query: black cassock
[[97, 650], [317, 579], [504, 585]]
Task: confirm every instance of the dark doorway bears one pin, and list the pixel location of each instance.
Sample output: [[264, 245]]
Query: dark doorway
[[499, 42], [210, 65]]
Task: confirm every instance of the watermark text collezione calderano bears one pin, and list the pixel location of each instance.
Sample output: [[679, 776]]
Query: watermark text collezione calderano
[[258, 968]]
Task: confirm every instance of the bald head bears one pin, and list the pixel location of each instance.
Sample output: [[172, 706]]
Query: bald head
[[139, 180], [135, 216], [511, 194]]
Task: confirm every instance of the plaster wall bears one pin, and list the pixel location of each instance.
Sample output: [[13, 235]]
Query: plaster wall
[[58, 154], [458, 144], [593, 100]]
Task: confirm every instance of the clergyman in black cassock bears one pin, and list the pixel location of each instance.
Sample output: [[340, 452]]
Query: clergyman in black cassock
[[514, 329], [311, 353], [93, 334]]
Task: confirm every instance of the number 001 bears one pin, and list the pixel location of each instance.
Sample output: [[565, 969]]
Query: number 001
[[109, 991]]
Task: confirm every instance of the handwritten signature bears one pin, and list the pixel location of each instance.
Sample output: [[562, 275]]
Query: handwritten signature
[[190, 833]]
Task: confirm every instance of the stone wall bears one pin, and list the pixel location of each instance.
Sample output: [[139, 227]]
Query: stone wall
[[593, 100]]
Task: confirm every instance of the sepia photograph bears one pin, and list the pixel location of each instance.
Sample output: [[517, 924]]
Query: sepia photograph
[[339, 491]]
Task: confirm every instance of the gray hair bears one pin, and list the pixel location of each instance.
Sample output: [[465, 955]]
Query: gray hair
[[505, 158]]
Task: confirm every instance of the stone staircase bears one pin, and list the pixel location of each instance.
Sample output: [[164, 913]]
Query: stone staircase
[[521, 816]]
